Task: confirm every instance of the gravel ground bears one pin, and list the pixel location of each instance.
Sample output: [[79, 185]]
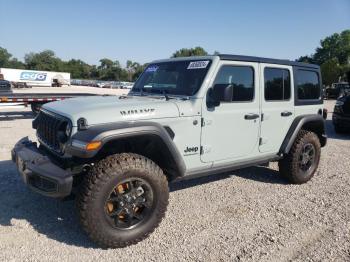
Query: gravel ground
[[248, 215]]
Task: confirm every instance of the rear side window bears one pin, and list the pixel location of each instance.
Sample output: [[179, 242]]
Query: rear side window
[[277, 84], [242, 79], [308, 84]]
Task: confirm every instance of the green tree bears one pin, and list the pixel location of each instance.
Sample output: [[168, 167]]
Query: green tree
[[331, 70], [106, 63], [4, 57], [15, 63], [6, 60], [347, 73], [306, 59], [132, 68], [334, 46], [333, 56], [78, 69], [138, 69], [197, 51], [45, 60], [94, 72], [111, 70]]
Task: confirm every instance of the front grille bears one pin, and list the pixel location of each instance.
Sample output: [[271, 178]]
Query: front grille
[[48, 127]]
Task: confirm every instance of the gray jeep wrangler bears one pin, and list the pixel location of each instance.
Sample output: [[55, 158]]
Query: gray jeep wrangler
[[183, 117]]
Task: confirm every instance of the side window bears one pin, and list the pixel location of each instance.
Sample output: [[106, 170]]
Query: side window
[[277, 84], [242, 80], [308, 84]]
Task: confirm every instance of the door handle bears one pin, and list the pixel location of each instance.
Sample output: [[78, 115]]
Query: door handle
[[251, 116], [286, 113]]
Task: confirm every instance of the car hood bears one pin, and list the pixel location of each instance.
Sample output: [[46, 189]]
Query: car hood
[[108, 109]]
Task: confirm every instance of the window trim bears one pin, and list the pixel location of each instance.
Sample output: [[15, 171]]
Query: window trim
[[254, 78], [303, 102], [290, 84]]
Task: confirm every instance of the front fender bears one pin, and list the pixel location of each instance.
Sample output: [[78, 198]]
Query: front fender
[[114, 131]]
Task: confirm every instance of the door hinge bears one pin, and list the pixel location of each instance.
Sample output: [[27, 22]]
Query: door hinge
[[202, 122], [262, 141], [205, 149]]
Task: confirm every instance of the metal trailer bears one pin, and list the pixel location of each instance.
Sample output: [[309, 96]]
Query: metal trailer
[[37, 100]]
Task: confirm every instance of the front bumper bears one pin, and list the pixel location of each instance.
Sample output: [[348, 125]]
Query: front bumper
[[39, 173]]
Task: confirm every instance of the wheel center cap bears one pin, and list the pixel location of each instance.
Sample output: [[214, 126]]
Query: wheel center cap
[[128, 198]]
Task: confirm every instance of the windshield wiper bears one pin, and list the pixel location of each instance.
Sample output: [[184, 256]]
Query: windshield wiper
[[162, 91]]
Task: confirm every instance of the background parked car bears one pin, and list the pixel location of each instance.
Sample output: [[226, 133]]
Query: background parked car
[[336, 90], [341, 114]]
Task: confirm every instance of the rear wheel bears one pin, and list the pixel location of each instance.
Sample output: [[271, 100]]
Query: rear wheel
[[301, 163], [123, 200]]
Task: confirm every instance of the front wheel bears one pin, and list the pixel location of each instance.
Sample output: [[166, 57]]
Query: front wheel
[[122, 200], [301, 163]]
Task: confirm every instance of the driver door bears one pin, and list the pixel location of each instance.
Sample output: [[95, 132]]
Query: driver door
[[231, 130]]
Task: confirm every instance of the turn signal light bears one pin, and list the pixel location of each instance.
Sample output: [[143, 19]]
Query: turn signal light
[[93, 145]]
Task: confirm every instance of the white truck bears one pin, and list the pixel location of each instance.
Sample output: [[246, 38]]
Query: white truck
[[24, 77]]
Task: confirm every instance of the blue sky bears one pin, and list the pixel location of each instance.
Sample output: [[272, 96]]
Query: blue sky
[[147, 30]]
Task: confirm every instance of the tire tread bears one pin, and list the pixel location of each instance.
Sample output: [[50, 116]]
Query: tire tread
[[100, 174], [288, 166]]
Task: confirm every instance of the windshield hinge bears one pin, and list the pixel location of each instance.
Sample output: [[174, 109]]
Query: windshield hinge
[[202, 122]]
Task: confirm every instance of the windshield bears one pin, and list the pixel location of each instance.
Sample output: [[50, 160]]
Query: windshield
[[176, 78]]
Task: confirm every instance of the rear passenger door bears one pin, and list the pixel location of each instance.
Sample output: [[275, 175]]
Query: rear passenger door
[[277, 105]]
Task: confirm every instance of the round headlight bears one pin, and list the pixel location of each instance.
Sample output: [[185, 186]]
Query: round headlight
[[68, 129]]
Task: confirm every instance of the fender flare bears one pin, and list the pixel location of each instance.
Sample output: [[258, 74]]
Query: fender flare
[[297, 125], [121, 130]]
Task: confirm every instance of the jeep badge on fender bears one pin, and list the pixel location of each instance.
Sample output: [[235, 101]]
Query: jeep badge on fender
[[119, 154], [191, 150]]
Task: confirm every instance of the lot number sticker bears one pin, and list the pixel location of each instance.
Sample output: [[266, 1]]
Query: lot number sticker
[[152, 69], [198, 64]]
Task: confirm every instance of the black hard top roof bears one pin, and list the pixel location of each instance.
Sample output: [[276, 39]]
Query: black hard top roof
[[265, 60]]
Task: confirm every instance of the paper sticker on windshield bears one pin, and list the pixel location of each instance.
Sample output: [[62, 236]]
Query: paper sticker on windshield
[[198, 64], [152, 69]]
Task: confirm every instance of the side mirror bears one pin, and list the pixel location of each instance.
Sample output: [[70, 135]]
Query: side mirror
[[219, 93]]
